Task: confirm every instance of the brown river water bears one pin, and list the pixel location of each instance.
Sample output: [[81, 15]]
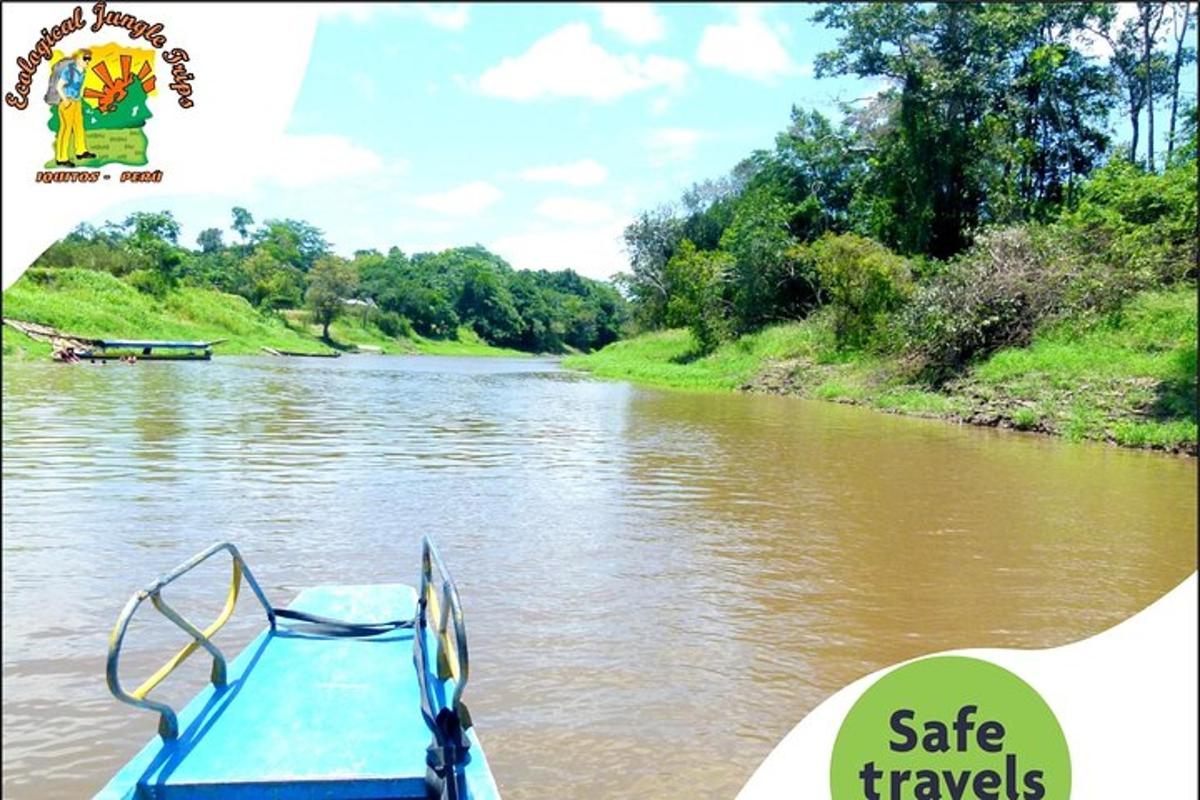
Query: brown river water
[[658, 585]]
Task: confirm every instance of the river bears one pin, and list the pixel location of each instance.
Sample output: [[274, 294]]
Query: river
[[657, 585]]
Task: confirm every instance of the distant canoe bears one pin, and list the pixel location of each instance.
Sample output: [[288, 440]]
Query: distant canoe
[[149, 344], [294, 354], [85, 348]]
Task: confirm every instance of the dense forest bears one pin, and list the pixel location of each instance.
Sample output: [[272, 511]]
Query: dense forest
[[285, 264], [979, 193]]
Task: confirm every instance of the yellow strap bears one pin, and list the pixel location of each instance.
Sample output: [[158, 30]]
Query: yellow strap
[[230, 602], [447, 656]]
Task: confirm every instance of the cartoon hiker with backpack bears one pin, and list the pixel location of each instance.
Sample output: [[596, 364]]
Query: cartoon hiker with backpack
[[66, 93]]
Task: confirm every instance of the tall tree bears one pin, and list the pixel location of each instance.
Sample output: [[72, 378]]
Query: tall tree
[[1150, 19], [1183, 20], [242, 220], [210, 240], [152, 237], [293, 241], [929, 195], [650, 241], [330, 281], [1059, 107]]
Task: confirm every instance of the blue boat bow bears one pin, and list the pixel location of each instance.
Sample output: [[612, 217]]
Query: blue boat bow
[[349, 692]]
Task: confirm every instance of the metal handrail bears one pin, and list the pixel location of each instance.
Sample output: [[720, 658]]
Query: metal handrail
[[452, 655], [168, 725]]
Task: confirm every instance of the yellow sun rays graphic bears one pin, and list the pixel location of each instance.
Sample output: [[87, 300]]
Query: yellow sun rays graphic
[[112, 71]]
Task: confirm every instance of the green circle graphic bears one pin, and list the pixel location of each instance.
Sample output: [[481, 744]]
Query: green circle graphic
[[950, 728]]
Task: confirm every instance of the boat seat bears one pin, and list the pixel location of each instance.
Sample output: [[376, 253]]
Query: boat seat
[[301, 716]]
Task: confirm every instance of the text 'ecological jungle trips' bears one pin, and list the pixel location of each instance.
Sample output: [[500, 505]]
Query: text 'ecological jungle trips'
[[152, 32]]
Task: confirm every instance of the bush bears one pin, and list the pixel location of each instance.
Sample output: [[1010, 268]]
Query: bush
[[391, 324], [149, 282], [1141, 224], [992, 296], [864, 282]]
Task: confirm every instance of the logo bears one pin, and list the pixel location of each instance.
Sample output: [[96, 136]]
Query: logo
[[950, 728], [99, 95]]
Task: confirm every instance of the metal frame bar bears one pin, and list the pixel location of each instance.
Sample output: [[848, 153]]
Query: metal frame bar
[[452, 655], [168, 726]]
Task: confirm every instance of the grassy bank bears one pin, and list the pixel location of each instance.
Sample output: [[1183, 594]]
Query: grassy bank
[[96, 304], [1127, 378]]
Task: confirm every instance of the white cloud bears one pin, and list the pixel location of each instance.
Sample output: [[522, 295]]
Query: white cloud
[[1092, 45], [470, 198], [597, 252], [567, 63], [667, 145], [579, 173], [748, 47], [305, 160], [447, 16], [574, 209], [637, 23]]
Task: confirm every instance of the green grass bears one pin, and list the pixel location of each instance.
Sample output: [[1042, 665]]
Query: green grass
[[668, 358], [97, 304], [112, 146], [18, 345], [468, 343], [1128, 378]]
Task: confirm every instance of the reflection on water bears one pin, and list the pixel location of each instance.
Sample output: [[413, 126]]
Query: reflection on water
[[658, 585]]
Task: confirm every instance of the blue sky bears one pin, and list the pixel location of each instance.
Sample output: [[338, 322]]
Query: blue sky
[[535, 130]]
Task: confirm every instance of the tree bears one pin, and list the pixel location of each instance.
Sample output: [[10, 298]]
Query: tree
[[946, 60], [271, 283], [650, 241], [1150, 18], [863, 280], [765, 282], [699, 278], [992, 112], [486, 304], [292, 241], [210, 240], [242, 220], [1057, 114], [709, 206], [151, 238], [1183, 21], [1138, 71], [819, 165], [330, 281]]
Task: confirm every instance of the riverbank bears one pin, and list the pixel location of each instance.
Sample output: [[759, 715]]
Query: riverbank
[[1128, 378], [97, 304]]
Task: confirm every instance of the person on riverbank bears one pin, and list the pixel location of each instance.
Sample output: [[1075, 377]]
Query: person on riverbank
[[66, 95]]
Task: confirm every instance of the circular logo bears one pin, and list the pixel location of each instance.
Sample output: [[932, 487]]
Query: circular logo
[[950, 728]]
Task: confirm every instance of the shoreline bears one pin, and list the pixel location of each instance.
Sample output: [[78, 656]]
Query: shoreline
[[981, 418], [81, 302], [1128, 380]]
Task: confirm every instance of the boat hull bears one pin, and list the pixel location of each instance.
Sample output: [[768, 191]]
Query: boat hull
[[306, 716]]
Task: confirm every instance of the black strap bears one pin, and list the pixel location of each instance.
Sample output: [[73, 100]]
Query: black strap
[[327, 626], [446, 756], [449, 751]]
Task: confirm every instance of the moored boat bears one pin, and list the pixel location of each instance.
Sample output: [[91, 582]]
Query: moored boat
[[349, 692]]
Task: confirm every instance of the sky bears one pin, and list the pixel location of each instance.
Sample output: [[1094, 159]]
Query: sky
[[538, 131]]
